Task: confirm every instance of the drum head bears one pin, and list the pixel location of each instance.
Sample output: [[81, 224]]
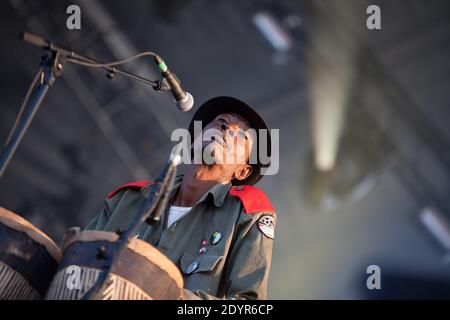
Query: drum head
[[28, 258], [18, 223]]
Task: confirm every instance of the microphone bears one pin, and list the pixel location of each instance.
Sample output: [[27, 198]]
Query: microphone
[[183, 100]]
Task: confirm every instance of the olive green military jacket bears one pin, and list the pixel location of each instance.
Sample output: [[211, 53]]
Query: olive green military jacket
[[223, 245]]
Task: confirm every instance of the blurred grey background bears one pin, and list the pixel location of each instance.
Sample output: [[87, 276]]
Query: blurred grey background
[[364, 119]]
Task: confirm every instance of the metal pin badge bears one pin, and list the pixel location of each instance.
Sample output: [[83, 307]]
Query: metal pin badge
[[216, 237], [192, 267], [203, 247]]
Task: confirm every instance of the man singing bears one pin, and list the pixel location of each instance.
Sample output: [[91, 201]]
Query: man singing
[[218, 228]]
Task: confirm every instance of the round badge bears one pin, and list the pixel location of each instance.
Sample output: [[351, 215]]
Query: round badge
[[216, 237], [192, 267]]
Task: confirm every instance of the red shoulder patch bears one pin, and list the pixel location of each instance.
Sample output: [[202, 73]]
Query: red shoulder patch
[[253, 199], [135, 184]]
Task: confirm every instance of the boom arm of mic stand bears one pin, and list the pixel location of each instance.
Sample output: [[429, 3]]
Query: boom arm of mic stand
[[54, 69], [71, 54]]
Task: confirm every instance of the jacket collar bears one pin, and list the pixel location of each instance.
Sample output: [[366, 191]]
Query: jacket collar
[[218, 192]]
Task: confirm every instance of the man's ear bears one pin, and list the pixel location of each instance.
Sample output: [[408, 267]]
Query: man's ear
[[243, 172]]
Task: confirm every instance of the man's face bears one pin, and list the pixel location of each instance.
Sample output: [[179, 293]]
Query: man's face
[[228, 142]]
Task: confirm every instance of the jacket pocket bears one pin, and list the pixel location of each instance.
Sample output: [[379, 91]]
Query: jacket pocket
[[190, 264]]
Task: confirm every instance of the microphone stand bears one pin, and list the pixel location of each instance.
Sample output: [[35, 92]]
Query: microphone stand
[[150, 212], [52, 68]]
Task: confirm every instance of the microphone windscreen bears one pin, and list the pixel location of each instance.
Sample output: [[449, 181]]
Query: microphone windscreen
[[186, 104]]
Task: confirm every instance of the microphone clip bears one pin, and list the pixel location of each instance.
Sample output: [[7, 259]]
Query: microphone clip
[[162, 85]]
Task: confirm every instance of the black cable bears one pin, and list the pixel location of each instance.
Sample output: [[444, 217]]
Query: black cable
[[111, 64], [24, 105]]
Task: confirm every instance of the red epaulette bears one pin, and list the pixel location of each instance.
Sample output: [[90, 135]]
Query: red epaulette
[[253, 199], [135, 184]]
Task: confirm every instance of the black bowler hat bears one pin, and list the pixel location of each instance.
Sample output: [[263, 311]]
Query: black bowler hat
[[219, 105]]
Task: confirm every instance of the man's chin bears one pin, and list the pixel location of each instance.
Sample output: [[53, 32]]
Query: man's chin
[[214, 155]]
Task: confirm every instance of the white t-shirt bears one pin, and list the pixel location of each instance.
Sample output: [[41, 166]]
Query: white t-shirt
[[175, 213]]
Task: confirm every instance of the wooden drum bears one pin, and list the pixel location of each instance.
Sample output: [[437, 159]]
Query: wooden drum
[[141, 272], [28, 259]]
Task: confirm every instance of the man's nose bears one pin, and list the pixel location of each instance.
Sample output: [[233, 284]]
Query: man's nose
[[232, 128]]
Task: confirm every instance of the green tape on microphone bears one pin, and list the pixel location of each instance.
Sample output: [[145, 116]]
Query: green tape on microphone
[[162, 66]]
